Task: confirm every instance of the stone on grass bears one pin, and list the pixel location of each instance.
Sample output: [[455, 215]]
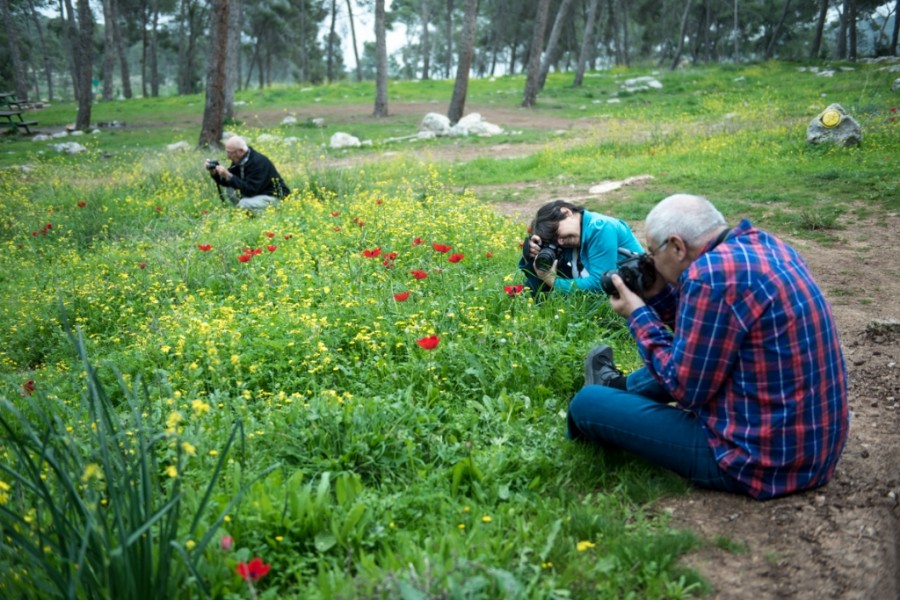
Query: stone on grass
[[70, 148], [435, 123], [834, 126], [289, 121], [178, 146], [896, 85], [344, 140]]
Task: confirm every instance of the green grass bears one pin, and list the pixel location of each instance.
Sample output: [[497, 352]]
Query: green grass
[[402, 472]]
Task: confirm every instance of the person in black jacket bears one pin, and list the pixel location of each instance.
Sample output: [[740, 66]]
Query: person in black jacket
[[252, 181]]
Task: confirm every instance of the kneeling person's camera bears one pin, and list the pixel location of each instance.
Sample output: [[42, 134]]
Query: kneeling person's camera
[[545, 258], [636, 270], [211, 164]]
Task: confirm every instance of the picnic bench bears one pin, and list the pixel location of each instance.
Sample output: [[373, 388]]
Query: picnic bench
[[11, 113]]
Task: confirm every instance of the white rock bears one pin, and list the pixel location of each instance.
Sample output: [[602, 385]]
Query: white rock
[[41, 137], [344, 140], [70, 148], [289, 121], [60, 134], [267, 137], [437, 123], [178, 146]]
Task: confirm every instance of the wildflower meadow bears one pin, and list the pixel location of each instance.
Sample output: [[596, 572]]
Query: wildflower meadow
[[351, 396]]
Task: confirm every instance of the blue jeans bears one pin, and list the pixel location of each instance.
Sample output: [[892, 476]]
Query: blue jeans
[[641, 421]]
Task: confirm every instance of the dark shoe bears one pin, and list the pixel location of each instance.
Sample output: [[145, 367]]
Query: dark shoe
[[599, 368]]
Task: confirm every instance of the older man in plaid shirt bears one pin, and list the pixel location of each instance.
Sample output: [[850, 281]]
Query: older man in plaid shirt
[[744, 387]]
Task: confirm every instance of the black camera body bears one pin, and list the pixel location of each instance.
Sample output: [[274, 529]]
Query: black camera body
[[548, 254], [636, 270], [211, 164]]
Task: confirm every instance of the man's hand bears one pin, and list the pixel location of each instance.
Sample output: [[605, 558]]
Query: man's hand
[[223, 172], [625, 301]]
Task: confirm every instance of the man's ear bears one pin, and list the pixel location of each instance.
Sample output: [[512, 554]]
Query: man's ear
[[681, 249]]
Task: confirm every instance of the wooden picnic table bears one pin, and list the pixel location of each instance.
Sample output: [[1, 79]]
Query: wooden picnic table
[[11, 113]]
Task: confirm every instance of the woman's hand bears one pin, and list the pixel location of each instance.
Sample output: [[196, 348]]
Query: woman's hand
[[534, 246]]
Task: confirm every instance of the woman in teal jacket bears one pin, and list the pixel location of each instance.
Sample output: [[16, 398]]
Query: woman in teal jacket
[[588, 245]]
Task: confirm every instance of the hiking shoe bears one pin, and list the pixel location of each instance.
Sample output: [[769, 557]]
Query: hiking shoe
[[599, 368]]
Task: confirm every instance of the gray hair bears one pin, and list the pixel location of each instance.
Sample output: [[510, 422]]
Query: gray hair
[[237, 142], [685, 215]]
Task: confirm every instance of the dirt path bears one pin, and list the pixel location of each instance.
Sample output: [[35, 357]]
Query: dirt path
[[843, 540]]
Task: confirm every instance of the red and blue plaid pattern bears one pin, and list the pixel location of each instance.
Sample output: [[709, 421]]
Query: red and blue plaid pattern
[[755, 355]]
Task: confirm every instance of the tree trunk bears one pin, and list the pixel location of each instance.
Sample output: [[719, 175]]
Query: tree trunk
[[552, 44], [426, 41], [681, 32], [214, 110], [233, 56], [466, 50], [534, 54], [12, 41], [896, 28], [152, 51], [776, 33], [329, 47], [381, 99], [448, 62], [109, 51], [70, 37], [183, 33], [820, 29], [587, 43], [84, 60], [737, 34], [48, 69], [850, 8], [616, 25], [353, 39]]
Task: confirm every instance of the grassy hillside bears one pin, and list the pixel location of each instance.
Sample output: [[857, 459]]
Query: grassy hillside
[[369, 414]]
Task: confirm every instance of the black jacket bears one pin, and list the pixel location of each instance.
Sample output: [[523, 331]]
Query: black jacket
[[254, 175]]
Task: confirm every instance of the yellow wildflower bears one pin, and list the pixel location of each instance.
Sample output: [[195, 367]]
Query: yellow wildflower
[[585, 545]]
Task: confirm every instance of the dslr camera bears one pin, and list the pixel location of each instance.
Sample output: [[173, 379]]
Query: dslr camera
[[636, 270], [211, 164], [549, 253]]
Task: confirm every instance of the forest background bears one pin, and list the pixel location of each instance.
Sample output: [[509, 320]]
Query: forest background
[[121, 48]]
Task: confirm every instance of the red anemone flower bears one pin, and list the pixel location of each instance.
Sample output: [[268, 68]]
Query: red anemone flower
[[401, 297], [418, 274], [379, 202], [28, 387], [337, 227], [245, 257], [82, 204], [271, 248], [455, 258], [253, 570], [428, 342], [441, 247], [335, 213], [270, 234], [372, 253], [513, 290], [252, 251], [288, 236], [361, 223], [417, 242], [392, 255], [489, 255], [142, 265], [204, 247]]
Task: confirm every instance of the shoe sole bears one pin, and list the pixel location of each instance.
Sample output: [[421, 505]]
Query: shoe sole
[[589, 361]]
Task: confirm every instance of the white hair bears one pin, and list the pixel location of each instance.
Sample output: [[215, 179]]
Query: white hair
[[236, 142], [685, 215]]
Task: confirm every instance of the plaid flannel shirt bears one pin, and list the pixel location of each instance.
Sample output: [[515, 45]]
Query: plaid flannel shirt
[[755, 355]]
